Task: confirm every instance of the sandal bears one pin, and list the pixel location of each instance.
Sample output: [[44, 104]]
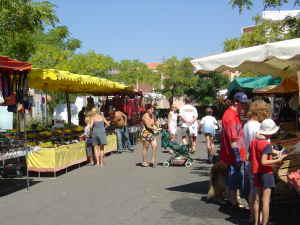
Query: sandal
[[145, 164]]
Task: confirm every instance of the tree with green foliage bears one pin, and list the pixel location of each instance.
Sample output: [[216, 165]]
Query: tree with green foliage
[[134, 72], [247, 4], [178, 77], [204, 90], [53, 48], [20, 20], [265, 31], [90, 63]]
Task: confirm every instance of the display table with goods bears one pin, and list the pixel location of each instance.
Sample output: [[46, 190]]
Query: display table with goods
[[60, 149], [287, 173], [12, 155]]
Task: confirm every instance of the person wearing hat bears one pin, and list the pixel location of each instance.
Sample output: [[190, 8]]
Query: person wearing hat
[[208, 124], [261, 152], [233, 150]]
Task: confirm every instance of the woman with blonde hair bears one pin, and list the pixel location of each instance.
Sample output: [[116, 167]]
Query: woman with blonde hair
[[258, 111], [98, 123]]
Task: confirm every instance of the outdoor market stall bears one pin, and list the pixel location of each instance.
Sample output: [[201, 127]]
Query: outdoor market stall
[[58, 154], [281, 59], [14, 95]]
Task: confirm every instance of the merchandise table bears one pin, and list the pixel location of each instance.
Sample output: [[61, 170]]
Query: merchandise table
[[61, 157]]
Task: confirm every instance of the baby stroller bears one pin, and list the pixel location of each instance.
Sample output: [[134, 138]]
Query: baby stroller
[[181, 152]]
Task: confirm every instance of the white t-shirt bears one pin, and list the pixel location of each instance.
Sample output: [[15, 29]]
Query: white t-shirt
[[209, 121], [250, 130], [188, 113]]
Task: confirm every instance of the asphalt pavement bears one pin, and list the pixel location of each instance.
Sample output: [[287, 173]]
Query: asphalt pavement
[[121, 193]]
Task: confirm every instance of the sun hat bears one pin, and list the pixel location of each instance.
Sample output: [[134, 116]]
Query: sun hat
[[241, 97], [268, 127]]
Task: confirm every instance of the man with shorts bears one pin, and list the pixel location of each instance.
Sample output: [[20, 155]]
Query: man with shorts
[[189, 128], [233, 150]]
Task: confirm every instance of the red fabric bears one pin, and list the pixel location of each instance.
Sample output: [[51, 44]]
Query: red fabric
[[131, 108], [294, 179], [232, 131], [256, 151], [7, 63]]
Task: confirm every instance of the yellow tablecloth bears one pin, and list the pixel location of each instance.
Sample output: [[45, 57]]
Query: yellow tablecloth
[[56, 159]]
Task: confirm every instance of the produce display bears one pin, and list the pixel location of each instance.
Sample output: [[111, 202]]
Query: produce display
[[42, 138]]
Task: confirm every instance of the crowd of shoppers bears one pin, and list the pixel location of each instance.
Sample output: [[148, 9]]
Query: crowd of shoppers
[[248, 154]]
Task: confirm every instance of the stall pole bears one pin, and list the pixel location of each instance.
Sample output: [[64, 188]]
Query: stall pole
[[25, 144], [298, 76], [68, 108], [46, 109]]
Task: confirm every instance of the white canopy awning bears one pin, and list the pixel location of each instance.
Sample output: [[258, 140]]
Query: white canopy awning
[[278, 58]]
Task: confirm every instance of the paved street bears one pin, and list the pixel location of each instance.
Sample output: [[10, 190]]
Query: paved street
[[119, 194]]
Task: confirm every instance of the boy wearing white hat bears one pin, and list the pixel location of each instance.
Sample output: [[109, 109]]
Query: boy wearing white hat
[[261, 160]]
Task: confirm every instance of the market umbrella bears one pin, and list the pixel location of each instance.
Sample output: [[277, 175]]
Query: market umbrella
[[64, 81], [278, 58], [288, 86], [7, 63], [241, 83]]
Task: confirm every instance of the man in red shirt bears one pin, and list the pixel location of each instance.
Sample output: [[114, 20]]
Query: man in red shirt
[[233, 150]]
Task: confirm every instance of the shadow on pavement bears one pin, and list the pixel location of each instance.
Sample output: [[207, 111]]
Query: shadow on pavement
[[60, 172], [199, 209], [203, 171], [11, 185], [195, 187]]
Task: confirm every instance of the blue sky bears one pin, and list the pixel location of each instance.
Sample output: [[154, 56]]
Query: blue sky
[[153, 30]]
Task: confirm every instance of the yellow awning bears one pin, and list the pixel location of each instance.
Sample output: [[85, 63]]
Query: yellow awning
[[64, 81]]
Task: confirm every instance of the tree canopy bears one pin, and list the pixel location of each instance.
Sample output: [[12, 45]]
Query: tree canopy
[[265, 31], [178, 76], [248, 4], [20, 20], [204, 90]]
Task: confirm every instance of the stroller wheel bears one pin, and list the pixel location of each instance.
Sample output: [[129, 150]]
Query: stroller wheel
[[166, 164], [188, 164]]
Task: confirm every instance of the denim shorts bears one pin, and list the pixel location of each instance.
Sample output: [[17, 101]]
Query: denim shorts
[[209, 131], [236, 175], [264, 180]]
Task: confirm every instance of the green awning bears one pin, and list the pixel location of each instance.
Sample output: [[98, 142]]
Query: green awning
[[246, 83]]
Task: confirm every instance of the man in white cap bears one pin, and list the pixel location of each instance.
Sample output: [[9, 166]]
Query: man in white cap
[[261, 152]]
